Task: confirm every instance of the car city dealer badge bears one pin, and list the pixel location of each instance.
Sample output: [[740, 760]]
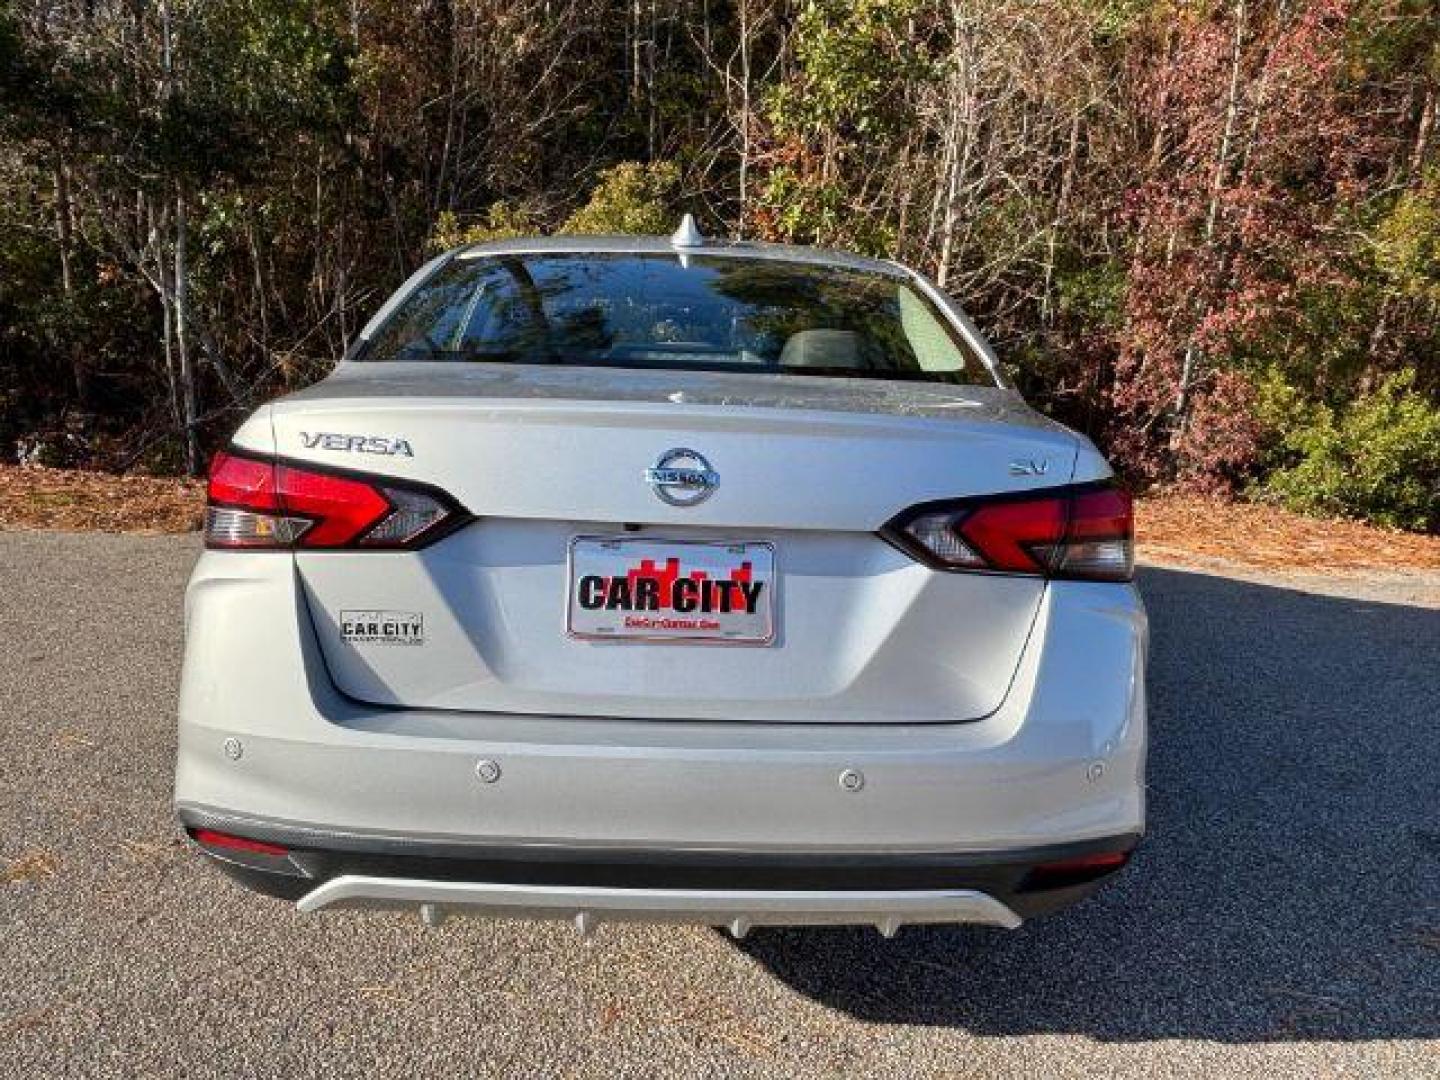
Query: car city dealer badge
[[682, 477]]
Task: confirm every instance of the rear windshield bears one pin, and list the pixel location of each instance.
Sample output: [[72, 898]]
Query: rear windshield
[[719, 313]]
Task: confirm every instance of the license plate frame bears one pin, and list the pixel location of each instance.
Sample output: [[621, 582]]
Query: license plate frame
[[749, 630]]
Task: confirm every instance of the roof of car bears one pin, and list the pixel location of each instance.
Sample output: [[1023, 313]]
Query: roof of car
[[663, 245]]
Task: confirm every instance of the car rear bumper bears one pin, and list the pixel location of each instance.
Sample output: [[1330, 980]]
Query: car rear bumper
[[265, 739], [737, 910], [738, 889]]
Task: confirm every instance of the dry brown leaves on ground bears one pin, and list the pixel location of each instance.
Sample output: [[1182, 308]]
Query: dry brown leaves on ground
[[32, 497], [1266, 537], [1169, 527], [29, 866]]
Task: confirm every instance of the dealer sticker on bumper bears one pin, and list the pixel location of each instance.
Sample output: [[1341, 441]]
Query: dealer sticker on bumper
[[372, 627], [671, 590]]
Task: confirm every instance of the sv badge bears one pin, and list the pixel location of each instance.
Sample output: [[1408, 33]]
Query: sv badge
[[1030, 467]]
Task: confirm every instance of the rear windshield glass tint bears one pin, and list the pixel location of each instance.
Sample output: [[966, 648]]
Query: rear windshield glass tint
[[722, 313]]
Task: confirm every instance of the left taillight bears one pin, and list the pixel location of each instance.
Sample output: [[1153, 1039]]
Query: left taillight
[[262, 503]]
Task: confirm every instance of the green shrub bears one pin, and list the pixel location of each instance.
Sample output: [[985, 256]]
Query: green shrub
[[800, 209], [631, 199], [1407, 242], [502, 221], [1378, 458]]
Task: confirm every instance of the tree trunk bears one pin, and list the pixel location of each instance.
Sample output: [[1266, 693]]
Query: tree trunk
[[959, 156], [1067, 179], [1191, 359], [635, 14], [261, 289], [1422, 133], [164, 286], [182, 337], [179, 297], [744, 178], [65, 239]]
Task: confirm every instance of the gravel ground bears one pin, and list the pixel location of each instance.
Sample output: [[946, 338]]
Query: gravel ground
[[1283, 918]]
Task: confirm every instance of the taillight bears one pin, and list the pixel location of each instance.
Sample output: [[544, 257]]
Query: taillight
[[1083, 532], [255, 502]]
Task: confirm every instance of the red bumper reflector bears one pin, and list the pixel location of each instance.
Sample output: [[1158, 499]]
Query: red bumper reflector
[[1077, 871], [212, 839]]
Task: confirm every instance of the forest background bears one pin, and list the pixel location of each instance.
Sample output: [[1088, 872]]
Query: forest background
[[1205, 233]]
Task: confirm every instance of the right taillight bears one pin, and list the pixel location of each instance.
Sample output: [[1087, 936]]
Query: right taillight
[[263, 503], [1085, 532]]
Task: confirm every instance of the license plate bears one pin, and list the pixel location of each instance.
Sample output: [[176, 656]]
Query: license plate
[[641, 589]]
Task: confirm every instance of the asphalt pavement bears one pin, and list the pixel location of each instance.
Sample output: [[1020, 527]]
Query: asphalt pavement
[[1282, 917]]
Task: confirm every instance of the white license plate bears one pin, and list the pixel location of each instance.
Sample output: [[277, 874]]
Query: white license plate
[[643, 589]]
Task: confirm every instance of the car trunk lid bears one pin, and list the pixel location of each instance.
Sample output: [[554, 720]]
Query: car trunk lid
[[808, 467]]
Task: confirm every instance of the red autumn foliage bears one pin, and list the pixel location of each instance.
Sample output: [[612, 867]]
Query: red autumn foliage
[[1258, 135]]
